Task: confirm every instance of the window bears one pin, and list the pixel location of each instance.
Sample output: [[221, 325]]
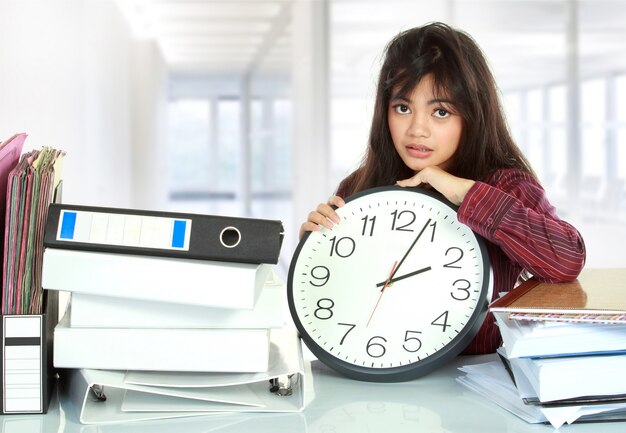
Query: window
[[189, 145], [593, 134], [204, 155], [536, 122], [620, 95], [228, 145], [557, 139]]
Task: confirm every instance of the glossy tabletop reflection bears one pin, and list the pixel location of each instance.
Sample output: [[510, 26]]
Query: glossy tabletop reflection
[[435, 403]]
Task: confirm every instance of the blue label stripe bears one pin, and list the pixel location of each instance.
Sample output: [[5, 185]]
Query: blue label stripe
[[68, 225], [178, 234]]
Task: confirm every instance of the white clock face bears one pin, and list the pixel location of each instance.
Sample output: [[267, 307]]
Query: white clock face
[[392, 289]]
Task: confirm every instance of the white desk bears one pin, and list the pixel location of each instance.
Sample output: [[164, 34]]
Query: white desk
[[433, 404]]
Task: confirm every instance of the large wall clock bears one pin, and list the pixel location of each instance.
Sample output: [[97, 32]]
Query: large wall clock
[[393, 291]]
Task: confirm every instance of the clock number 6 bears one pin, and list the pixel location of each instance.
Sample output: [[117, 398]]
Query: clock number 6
[[376, 350]]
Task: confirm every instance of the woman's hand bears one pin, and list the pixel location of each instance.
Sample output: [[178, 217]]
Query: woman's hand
[[324, 215], [453, 188]]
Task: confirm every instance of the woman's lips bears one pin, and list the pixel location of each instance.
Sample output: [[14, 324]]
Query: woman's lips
[[418, 151]]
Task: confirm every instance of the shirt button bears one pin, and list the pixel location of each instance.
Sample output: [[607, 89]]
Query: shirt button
[[489, 220]]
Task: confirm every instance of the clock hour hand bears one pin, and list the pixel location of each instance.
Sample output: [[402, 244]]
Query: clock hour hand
[[402, 277]]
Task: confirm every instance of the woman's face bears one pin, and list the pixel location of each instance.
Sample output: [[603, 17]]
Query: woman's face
[[425, 130]]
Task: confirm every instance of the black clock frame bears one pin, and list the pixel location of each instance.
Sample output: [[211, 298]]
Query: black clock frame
[[418, 368]]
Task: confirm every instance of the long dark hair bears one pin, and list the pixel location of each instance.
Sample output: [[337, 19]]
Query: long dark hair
[[460, 72]]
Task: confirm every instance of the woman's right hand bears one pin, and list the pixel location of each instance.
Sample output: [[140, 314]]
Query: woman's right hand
[[324, 215]]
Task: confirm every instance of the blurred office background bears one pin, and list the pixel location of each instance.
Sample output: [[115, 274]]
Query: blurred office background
[[259, 108]]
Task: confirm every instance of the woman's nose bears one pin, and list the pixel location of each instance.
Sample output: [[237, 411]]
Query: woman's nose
[[419, 126]]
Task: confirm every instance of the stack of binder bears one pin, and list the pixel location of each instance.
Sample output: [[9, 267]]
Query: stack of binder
[[184, 299], [564, 350]]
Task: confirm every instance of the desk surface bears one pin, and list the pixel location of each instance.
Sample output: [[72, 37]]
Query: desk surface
[[435, 403]]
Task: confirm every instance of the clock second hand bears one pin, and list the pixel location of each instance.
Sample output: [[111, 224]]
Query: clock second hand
[[393, 268]]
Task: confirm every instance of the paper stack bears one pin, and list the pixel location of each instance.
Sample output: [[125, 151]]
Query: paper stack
[[170, 314], [28, 183], [564, 350]]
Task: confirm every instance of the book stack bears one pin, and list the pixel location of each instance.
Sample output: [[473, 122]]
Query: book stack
[[173, 314], [564, 350]]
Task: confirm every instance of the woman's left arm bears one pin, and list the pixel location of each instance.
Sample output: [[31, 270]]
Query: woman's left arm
[[512, 211]]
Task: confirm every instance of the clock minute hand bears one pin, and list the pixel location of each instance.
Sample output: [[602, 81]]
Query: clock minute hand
[[409, 250], [402, 277]]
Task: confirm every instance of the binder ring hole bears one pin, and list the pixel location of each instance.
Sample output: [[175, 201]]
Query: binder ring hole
[[230, 237]]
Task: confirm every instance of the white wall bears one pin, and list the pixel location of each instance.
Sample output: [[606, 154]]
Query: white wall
[[70, 74], [149, 127]]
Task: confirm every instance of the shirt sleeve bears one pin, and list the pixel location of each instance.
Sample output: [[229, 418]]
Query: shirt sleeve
[[512, 211]]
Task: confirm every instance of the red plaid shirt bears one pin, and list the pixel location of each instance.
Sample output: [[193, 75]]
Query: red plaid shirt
[[511, 211]]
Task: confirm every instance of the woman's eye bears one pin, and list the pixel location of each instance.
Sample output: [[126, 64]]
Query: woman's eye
[[402, 109], [441, 113]]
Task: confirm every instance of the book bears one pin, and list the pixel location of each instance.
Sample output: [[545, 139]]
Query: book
[[592, 297], [566, 378], [524, 338], [164, 279], [106, 397], [168, 234], [594, 292], [94, 311], [215, 350], [571, 318]]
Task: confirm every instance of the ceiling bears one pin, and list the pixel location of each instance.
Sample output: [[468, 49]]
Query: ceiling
[[215, 37], [238, 37]]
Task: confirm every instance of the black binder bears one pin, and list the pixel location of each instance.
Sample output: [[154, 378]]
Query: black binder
[[28, 376], [156, 233]]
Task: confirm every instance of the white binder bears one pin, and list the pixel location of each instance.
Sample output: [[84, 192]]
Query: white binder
[[94, 311], [118, 396], [164, 279], [223, 350]]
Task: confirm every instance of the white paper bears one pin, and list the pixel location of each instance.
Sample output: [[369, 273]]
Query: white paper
[[492, 381]]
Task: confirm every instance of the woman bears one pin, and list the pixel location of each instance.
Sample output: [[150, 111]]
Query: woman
[[438, 123]]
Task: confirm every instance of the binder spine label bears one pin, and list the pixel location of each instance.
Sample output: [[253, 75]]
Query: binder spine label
[[22, 365], [124, 230]]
